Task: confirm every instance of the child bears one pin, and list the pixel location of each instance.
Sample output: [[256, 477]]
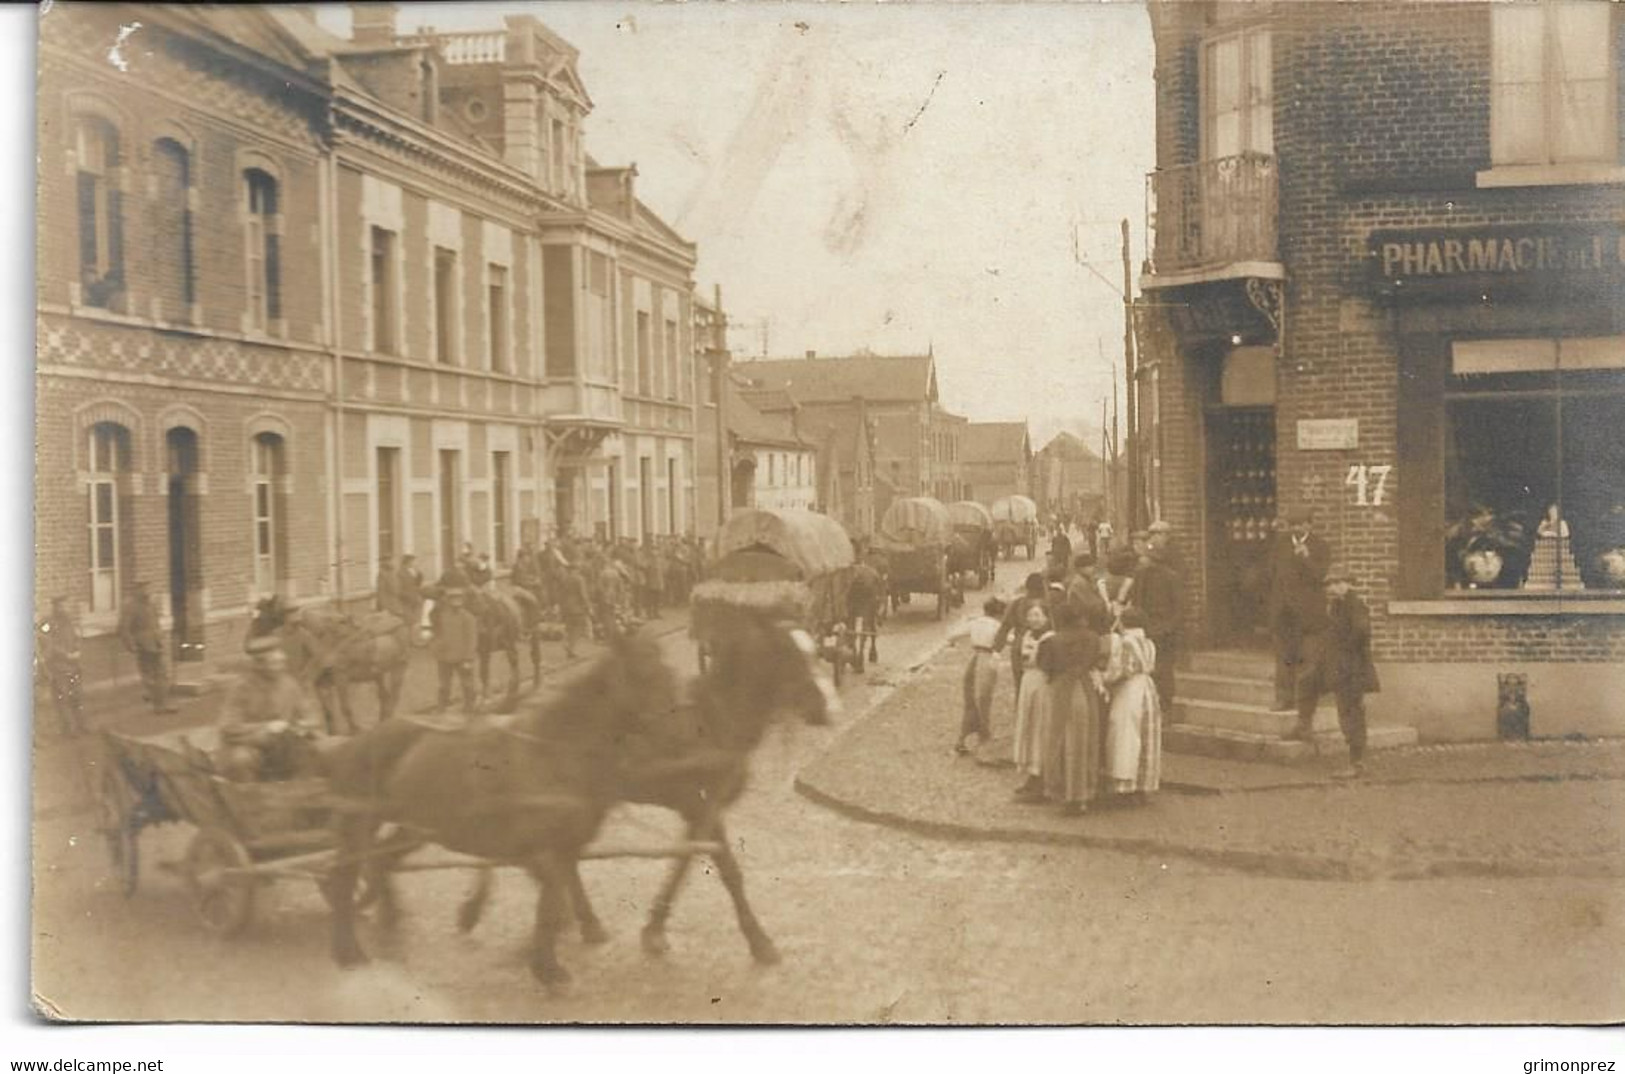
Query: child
[[1134, 721], [1116, 585], [1032, 704], [981, 674], [1337, 659]]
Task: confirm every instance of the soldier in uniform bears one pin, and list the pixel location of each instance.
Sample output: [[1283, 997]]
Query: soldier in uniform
[[142, 634], [388, 596], [409, 591], [455, 647], [59, 654], [267, 724]]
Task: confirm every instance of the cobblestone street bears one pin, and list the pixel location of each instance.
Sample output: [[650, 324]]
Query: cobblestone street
[[884, 924]]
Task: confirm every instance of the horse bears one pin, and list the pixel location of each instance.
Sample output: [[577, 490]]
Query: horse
[[532, 792], [694, 760], [328, 651]]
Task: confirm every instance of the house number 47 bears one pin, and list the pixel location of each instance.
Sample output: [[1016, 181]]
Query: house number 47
[[1370, 482]]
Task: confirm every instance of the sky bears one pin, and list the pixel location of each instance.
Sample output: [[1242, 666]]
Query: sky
[[885, 176]]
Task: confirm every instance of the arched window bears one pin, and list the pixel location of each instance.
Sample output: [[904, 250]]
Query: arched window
[[262, 224], [101, 221], [172, 275], [107, 451], [268, 467]]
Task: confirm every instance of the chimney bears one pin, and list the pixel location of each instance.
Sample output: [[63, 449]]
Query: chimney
[[372, 24]]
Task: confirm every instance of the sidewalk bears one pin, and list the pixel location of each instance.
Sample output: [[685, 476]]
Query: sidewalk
[[1527, 809]]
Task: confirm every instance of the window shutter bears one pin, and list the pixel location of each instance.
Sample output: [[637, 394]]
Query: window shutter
[[115, 238], [87, 225], [273, 276]]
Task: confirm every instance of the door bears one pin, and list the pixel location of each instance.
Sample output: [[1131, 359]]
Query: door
[[185, 566], [1240, 510], [646, 496], [450, 498]]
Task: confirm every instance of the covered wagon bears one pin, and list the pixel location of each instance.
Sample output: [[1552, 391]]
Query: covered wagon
[[973, 548], [1015, 524], [914, 536], [796, 563]]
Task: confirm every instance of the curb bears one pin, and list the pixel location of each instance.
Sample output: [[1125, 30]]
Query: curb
[[1286, 865], [1290, 865]]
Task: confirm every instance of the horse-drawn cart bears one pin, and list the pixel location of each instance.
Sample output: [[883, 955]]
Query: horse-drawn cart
[[798, 562], [1015, 522], [247, 833], [914, 536], [974, 548]]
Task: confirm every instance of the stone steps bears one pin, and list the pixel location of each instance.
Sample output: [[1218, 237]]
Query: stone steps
[[1248, 746]]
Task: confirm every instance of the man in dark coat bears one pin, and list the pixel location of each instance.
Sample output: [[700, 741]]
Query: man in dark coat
[[455, 646], [58, 648], [1337, 659], [387, 596], [143, 634], [575, 606], [1298, 563], [1159, 591], [409, 591]]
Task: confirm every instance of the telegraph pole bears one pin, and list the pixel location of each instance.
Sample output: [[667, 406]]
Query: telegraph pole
[[1133, 452], [719, 392]]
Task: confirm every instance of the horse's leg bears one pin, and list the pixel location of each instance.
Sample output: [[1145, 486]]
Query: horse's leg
[[535, 657], [733, 878], [592, 929], [378, 871], [341, 686], [355, 837], [468, 914], [654, 931], [485, 673], [551, 877], [510, 700]]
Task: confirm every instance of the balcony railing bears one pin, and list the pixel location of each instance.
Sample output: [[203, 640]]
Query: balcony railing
[[1213, 213], [488, 46]]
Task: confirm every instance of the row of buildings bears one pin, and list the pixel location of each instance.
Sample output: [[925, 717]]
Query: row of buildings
[[309, 303], [1387, 281]]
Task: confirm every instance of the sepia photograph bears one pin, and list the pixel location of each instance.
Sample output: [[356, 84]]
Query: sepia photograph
[[811, 514]]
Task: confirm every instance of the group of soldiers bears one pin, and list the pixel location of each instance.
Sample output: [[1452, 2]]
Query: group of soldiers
[[59, 665]]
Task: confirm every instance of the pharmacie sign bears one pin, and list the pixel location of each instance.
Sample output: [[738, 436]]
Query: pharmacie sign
[[1436, 260]]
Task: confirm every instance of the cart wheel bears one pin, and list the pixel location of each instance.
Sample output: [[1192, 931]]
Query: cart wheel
[[119, 828], [224, 904]]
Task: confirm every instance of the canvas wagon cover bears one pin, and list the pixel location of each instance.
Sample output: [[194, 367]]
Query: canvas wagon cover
[[1015, 509], [915, 523], [815, 543], [970, 513]]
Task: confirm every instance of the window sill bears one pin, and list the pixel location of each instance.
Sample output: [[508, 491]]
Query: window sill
[[1553, 605], [1577, 174]]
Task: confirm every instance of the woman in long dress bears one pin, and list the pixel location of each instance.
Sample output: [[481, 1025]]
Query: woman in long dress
[[1073, 738], [1134, 722], [1032, 708]]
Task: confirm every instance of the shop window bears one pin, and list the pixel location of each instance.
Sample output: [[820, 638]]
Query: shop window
[[1535, 466], [1553, 97]]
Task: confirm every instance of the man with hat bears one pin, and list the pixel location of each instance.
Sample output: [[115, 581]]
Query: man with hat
[[266, 720], [409, 591], [141, 632], [1298, 563], [58, 642], [455, 647], [1337, 659]]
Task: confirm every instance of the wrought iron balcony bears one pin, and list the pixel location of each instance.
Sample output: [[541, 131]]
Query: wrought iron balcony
[[1212, 214]]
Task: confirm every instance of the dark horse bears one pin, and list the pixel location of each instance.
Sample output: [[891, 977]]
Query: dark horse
[[694, 759], [328, 651], [534, 791]]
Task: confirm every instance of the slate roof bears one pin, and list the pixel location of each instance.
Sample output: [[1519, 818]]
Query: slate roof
[[1067, 446], [900, 378], [752, 426]]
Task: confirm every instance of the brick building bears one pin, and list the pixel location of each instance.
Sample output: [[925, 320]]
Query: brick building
[[1386, 282], [995, 459], [1069, 478], [309, 302], [183, 357], [890, 436]]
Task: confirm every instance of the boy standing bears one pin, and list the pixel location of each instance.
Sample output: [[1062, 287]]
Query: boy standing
[[1337, 658], [456, 647], [981, 674]]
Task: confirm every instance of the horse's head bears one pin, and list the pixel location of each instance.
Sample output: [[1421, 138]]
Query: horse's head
[[770, 665], [269, 616]]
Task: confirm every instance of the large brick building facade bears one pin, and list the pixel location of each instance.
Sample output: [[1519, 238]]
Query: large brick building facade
[[1386, 282], [307, 303]]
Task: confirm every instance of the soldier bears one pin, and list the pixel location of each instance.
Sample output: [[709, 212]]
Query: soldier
[[409, 591], [141, 633], [1298, 562], [268, 721], [455, 647], [1337, 660], [575, 606], [388, 595], [58, 641]]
